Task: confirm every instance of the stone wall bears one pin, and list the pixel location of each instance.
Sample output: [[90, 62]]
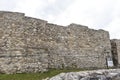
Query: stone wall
[[115, 43], [33, 45], [79, 46], [20, 44]]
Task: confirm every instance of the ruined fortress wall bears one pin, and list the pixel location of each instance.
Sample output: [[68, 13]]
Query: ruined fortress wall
[[78, 46], [115, 43], [20, 44], [33, 45]]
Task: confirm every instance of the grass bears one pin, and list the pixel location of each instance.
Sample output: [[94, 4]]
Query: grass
[[36, 76]]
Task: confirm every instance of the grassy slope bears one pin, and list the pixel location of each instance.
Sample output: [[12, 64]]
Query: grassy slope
[[34, 76]]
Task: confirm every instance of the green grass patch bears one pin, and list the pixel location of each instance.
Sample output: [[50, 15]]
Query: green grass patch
[[36, 76]]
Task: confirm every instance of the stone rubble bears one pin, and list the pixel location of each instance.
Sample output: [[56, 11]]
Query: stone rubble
[[111, 74]]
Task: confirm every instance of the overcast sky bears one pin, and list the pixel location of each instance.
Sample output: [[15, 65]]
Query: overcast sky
[[96, 14]]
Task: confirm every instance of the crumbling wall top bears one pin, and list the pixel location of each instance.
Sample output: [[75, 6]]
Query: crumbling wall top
[[11, 15]]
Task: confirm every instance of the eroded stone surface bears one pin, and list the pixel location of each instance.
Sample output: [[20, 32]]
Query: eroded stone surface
[[116, 51], [112, 74], [33, 45]]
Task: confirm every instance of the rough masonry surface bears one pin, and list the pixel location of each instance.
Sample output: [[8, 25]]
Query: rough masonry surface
[[110, 74], [115, 48], [34, 45]]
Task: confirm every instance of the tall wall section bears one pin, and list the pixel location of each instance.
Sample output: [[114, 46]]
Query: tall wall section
[[33, 45], [115, 43]]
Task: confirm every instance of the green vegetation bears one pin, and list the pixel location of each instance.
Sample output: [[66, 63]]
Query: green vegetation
[[35, 76]]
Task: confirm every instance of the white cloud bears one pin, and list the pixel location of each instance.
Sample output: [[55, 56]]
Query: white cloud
[[7, 4], [114, 28], [51, 1], [87, 12], [29, 7]]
